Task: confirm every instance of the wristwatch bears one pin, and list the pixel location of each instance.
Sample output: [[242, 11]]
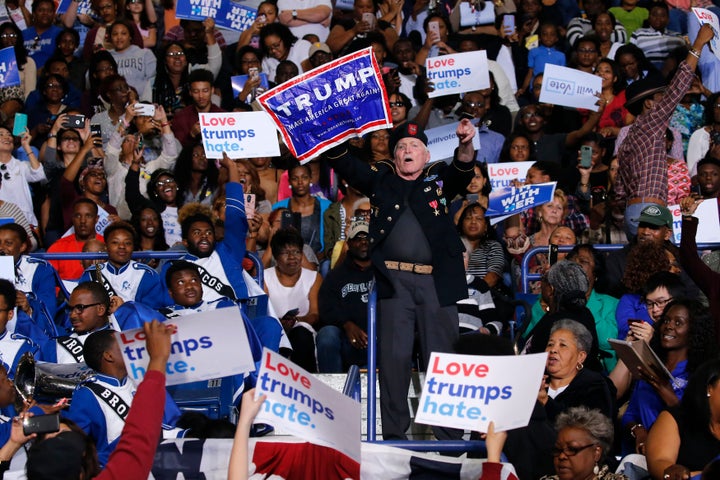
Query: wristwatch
[[294, 12]]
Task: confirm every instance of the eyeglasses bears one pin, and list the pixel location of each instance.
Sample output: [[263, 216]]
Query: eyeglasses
[[650, 304], [275, 46], [175, 54], [9, 35], [569, 450], [397, 104], [80, 308], [531, 114], [162, 183], [6, 174], [473, 104], [290, 253]]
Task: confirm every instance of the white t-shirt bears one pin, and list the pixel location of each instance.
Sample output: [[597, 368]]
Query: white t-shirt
[[316, 28]]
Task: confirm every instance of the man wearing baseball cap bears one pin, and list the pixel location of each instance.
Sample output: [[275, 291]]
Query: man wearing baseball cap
[[342, 340], [416, 256], [319, 54]]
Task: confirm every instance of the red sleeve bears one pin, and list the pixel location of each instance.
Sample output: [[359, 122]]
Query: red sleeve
[[494, 471], [703, 276], [133, 457]]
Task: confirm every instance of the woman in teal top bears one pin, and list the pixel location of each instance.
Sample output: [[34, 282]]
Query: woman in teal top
[[602, 306]]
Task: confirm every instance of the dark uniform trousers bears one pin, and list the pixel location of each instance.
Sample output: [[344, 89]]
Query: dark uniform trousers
[[409, 301]]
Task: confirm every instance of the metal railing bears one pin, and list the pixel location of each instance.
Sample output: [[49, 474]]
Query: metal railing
[[446, 446], [143, 254]]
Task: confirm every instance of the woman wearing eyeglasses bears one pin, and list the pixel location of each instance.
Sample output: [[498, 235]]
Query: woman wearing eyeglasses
[[11, 36], [400, 106], [278, 43], [170, 88], [584, 442], [42, 115], [163, 193], [76, 181], [683, 339], [293, 293]]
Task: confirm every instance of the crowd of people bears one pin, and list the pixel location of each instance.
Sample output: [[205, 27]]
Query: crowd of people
[[111, 160]]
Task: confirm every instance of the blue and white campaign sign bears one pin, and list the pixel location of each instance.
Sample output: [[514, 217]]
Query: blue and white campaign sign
[[238, 82], [239, 134], [303, 405], [470, 391], [570, 88], [458, 73], [503, 174], [708, 230], [226, 13], [329, 104], [706, 16], [198, 341], [9, 73], [510, 200], [442, 142], [84, 7]]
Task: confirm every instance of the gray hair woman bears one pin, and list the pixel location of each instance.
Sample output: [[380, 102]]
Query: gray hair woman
[[583, 442], [568, 383], [564, 290]]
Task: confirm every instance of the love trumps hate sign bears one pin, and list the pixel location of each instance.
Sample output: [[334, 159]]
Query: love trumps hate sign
[[470, 391], [303, 405]]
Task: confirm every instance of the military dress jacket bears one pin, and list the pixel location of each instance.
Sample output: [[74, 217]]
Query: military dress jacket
[[429, 199]]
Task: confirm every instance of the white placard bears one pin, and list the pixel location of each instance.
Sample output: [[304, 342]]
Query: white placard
[[470, 391], [458, 73], [570, 88], [239, 134], [502, 174], [442, 142], [7, 268], [303, 405], [708, 230], [205, 345], [706, 16]]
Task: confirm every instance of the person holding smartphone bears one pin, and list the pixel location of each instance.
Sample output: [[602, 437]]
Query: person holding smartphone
[[593, 185]]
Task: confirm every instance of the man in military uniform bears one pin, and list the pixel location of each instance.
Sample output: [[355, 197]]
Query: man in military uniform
[[416, 254]]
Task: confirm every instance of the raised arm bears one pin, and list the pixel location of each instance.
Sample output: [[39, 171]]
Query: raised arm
[[238, 466]]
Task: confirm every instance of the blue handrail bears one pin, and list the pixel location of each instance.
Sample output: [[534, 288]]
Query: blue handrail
[[526, 278], [160, 255], [415, 445]]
